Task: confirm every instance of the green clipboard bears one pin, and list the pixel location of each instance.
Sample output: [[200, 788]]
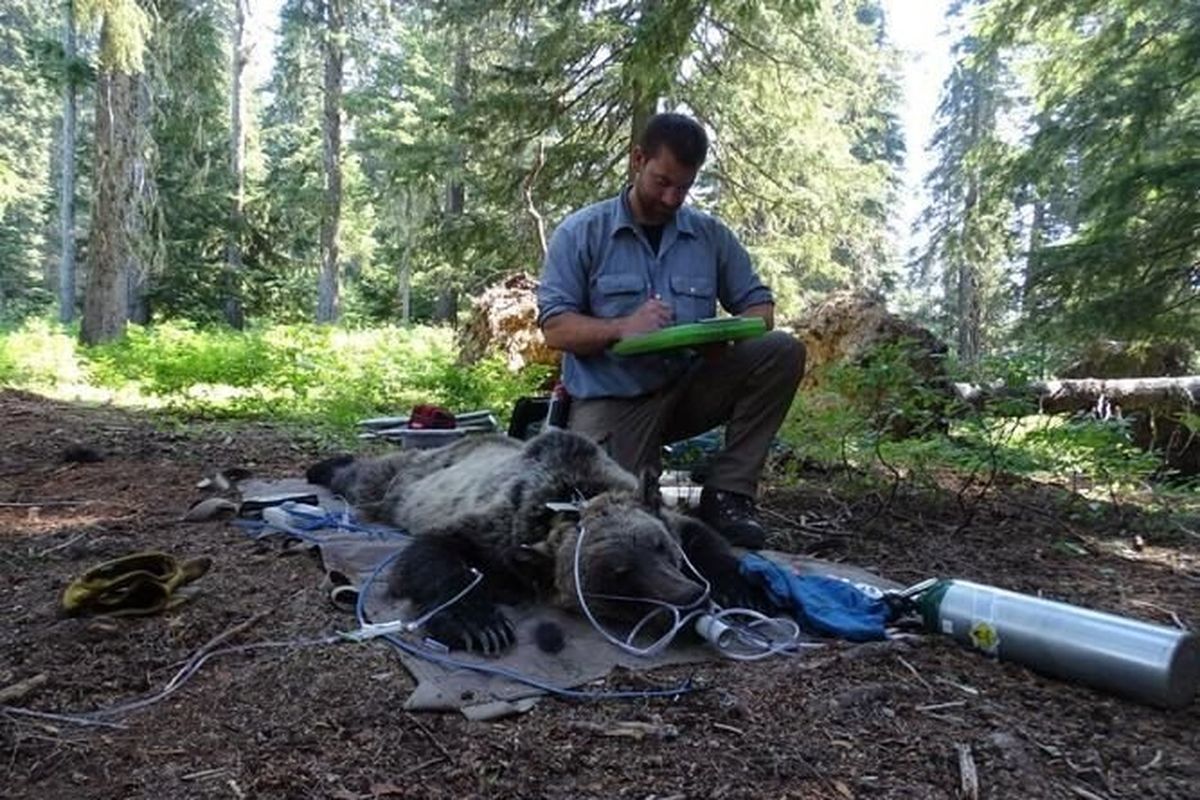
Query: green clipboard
[[722, 329]]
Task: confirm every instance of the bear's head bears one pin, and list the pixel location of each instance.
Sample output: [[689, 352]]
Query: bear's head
[[623, 551]]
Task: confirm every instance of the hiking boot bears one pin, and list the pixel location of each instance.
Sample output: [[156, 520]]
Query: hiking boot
[[732, 515]]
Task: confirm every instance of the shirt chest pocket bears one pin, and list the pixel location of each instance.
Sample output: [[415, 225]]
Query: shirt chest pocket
[[618, 295], [694, 297]]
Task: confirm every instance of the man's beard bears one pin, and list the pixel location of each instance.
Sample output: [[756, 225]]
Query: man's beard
[[655, 212]]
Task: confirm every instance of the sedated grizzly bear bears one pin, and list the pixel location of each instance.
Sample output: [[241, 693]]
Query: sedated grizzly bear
[[481, 504]]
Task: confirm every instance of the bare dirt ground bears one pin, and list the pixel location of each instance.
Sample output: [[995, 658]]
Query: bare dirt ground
[[327, 722]]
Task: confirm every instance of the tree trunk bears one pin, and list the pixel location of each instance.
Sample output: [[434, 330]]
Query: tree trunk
[[331, 126], [1037, 236], [1056, 397], [644, 106], [141, 254], [404, 290], [968, 312], [234, 312], [539, 223], [66, 202], [110, 248], [644, 100], [51, 251], [446, 307], [970, 256]]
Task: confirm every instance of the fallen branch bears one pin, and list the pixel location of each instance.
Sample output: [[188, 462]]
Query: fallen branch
[[942, 706], [432, 739], [968, 777], [21, 688], [62, 546], [228, 634], [916, 674], [196, 661], [424, 765], [1174, 617]]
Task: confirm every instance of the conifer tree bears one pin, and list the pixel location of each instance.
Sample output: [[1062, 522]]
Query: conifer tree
[[119, 179]]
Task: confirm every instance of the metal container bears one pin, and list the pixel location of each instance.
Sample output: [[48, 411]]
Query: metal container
[[1149, 663]]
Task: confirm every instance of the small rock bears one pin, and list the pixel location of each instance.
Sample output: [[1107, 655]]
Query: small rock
[[81, 454], [210, 508]]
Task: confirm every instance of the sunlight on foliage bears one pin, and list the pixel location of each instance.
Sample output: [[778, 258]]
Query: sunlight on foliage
[[40, 355], [864, 417], [299, 373]]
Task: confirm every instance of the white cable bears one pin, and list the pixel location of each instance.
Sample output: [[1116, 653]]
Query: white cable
[[742, 634], [373, 629], [757, 638], [627, 644], [716, 625]]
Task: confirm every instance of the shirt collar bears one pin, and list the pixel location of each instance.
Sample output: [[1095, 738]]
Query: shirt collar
[[624, 216]]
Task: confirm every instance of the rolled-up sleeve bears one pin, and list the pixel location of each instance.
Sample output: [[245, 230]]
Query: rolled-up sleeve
[[739, 286], [563, 285]]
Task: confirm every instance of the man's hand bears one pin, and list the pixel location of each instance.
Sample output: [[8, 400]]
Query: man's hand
[[586, 336], [650, 316]]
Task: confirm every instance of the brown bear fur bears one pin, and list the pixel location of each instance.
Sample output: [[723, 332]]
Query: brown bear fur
[[480, 504]]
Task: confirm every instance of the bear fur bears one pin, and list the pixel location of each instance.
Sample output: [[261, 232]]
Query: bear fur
[[479, 504]]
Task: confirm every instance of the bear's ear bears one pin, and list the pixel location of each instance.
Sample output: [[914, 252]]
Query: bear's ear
[[648, 491], [323, 472]]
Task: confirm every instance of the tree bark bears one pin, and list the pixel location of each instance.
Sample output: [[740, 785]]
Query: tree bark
[[234, 312], [1037, 236], [968, 303], [111, 248], [644, 101], [327, 289], [142, 198], [1056, 397], [404, 287], [66, 203], [446, 306], [539, 223]]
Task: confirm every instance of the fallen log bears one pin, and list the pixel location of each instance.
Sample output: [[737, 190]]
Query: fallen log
[[1151, 405], [1158, 395]]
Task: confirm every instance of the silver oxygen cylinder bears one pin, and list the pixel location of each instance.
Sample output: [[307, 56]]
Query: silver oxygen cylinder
[[1150, 663]]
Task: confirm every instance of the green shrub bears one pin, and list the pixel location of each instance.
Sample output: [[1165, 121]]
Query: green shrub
[[323, 375], [852, 421], [40, 355]]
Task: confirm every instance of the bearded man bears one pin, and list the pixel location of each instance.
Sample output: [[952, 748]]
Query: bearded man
[[642, 261]]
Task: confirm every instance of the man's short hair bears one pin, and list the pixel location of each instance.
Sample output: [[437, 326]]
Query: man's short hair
[[681, 134]]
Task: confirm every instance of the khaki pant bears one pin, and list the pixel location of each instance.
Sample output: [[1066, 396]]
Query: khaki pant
[[749, 387]]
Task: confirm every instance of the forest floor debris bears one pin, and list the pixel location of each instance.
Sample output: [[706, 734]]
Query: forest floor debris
[[328, 721]]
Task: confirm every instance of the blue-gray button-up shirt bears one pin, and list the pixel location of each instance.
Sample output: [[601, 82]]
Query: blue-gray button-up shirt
[[599, 264]]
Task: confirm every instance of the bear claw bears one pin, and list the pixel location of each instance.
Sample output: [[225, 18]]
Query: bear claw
[[485, 631]]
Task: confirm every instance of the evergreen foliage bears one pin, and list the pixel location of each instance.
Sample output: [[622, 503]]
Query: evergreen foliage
[[28, 30], [1065, 202], [185, 68], [1087, 227], [1117, 92], [971, 239]]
